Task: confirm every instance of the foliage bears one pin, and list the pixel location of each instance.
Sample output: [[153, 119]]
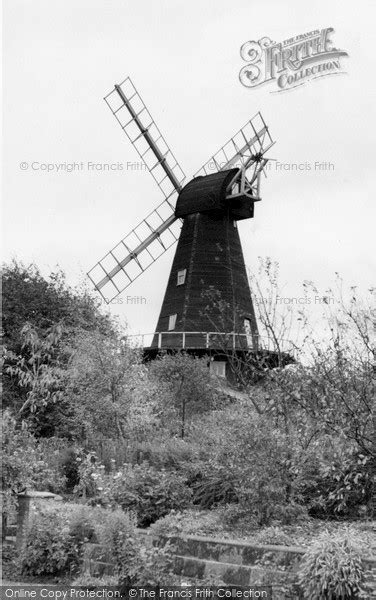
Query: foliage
[[49, 547], [237, 517], [90, 417], [38, 370], [213, 485], [28, 296], [82, 523], [246, 459], [135, 562], [274, 536], [109, 389], [332, 567], [331, 430], [342, 482], [69, 467], [54, 541], [188, 390], [42, 304], [116, 533], [27, 462], [16, 446], [150, 493], [90, 474], [189, 522], [166, 453], [88, 582], [153, 567]]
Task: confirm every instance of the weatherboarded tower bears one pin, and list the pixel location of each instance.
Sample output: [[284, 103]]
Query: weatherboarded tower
[[208, 296]]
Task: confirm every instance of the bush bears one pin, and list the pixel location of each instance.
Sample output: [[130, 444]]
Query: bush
[[337, 480], [290, 513], [153, 567], [246, 460], [236, 516], [150, 493], [135, 563], [57, 533], [82, 524], [26, 462], [89, 582], [90, 475], [332, 567], [273, 536], [170, 453], [116, 533], [56, 536], [214, 486], [69, 466], [50, 548], [189, 522]]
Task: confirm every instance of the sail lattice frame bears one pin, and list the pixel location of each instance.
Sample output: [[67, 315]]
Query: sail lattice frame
[[243, 149], [137, 251], [136, 121]]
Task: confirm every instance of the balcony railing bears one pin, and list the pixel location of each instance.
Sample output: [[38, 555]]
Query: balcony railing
[[190, 340]]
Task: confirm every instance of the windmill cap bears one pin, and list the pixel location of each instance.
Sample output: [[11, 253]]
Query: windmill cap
[[204, 194]]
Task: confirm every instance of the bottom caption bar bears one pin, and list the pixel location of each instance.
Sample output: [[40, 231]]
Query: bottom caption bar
[[37, 592]]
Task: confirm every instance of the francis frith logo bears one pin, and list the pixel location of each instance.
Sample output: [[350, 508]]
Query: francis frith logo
[[290, 63]]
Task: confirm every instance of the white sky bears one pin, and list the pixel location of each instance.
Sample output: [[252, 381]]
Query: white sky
[[61, 58]]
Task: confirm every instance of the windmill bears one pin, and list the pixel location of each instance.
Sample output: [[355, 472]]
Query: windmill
[[207, 304]]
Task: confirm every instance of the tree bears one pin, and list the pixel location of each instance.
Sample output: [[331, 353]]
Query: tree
[[108, 388], [189, 389], [44, 302], [39, 373], [35, 308], [333, 396]]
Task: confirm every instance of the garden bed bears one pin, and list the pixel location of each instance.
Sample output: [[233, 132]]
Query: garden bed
[[217, 523]]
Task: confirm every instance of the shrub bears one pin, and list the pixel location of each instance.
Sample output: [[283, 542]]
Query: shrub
[[49, 547], [69, 466], [332, 567], [236, 516], [55, 539], [116, 533], [337, 480], [89, 582], [26, 463], [189, 522], [150, 493], [90, 476], [171, 453], [290, 513], [82, 523], [57, 533], [135, 563], [274, 536], [247, 460], [153, 567], [214, 486]]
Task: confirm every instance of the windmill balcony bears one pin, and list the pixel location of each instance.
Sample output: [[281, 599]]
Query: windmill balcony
[[207, 341]]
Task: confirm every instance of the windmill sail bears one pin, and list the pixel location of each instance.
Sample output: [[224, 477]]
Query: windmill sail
[[134, 118], [242, 150], [155, 234], [136, 252]]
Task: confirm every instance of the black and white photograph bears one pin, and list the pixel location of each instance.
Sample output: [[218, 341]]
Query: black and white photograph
[[188, 300]]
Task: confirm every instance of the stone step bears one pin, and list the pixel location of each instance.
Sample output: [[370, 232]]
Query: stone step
[[237, 552], [232, 574]]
